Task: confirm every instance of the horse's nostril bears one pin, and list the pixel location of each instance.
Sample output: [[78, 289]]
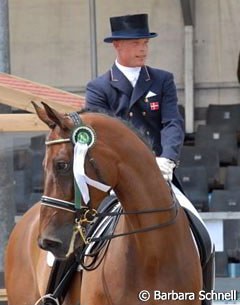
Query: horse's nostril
[[49, 244]]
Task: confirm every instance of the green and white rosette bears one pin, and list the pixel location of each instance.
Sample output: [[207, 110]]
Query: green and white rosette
[[84, 137]]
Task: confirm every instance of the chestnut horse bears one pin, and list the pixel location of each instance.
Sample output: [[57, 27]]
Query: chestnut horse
[[26, 270], [153, 255]]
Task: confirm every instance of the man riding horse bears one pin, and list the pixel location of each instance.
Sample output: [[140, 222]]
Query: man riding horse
[[151, 216], [143, 95]]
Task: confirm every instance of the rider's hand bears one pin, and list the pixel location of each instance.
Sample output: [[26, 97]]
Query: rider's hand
[[166, 166]]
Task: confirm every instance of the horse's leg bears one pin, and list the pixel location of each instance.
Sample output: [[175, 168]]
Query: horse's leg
[[21, 252], [26, 270], [19, 278]]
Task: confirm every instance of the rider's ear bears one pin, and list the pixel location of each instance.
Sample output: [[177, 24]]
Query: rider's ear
[[41, 113]]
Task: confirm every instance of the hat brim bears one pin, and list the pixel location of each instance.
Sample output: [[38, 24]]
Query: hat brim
[[128, 37]]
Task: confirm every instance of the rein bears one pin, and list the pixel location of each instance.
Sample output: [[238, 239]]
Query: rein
[[85, 135], [144, 230], [89, 216]]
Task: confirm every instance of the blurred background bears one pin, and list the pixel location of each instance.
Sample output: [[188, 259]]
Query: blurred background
[[60, 43]]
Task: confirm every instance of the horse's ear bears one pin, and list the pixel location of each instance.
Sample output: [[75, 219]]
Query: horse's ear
[[59, 119], [42, 114]]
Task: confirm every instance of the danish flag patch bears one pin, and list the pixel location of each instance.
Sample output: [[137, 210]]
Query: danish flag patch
[[154, 106]]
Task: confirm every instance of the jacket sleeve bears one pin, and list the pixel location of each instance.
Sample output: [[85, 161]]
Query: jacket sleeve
[[96, 98], [172, 133]]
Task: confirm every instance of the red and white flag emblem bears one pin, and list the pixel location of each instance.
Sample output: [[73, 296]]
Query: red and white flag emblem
[[154, 106]]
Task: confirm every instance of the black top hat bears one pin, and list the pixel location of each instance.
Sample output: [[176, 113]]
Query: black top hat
[[129, 27]]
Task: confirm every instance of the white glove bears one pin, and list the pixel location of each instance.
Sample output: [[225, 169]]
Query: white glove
[[166, 166]]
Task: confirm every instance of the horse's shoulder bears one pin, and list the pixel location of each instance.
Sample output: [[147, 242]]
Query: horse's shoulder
[[29, 219]]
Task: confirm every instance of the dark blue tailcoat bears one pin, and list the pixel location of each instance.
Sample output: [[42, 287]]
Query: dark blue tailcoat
[[151, 106]]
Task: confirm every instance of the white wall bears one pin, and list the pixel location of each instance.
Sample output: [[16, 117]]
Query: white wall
[[50, 42], [217, 44]]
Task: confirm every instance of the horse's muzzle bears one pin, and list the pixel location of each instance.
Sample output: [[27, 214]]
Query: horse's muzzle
[[53, 245]]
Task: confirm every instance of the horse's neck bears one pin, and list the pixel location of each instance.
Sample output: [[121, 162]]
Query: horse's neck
[[142, 187]]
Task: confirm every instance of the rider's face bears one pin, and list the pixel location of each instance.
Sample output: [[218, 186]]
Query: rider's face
[[131, 52]]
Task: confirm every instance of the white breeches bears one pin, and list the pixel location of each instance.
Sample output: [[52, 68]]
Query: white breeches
[[185, 202]]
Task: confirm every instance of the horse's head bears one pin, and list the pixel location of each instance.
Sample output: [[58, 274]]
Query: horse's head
[[58, 210]]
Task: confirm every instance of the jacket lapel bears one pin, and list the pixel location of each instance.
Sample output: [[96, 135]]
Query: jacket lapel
[[142, 85], [119, 81]]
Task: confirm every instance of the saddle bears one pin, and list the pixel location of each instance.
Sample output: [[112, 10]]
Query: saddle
[[202, 237], [106, 227]]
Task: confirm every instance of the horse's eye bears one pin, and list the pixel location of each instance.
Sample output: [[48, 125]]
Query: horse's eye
[[62, 166]]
